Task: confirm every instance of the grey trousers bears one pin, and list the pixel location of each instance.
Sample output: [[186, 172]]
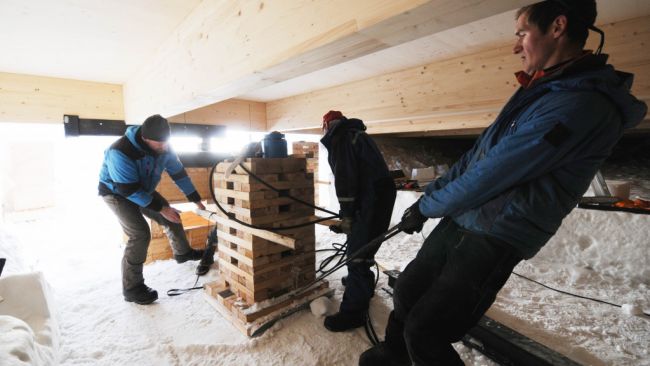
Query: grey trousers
[[137, 230]]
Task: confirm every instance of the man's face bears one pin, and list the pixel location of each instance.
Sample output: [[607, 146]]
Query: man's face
[[157, 146], [534, 47]]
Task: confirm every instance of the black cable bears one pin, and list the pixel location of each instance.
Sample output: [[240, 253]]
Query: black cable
[[232, 217], [569, 293], [378, 240], [180, 291], [370, 330], [339, 252], [286, 195], [212, 237]]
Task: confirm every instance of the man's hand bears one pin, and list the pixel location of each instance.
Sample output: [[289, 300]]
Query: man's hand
[[171, 214], [336, 229], [200, 205], [346, 225], [412, 219]]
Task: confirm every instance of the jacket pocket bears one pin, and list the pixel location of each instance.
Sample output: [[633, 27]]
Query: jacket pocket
[[489, 211]]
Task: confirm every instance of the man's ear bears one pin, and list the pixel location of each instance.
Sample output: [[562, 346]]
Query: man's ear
[[559, 26]]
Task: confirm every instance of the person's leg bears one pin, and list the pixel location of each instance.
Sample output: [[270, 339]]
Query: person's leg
[[416, 278], [175, 233], [475, 269], [358, 284], [409, 287], [373, 222], [137, 230]]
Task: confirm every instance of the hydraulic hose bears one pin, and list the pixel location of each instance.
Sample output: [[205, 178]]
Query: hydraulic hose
[[232, 217]]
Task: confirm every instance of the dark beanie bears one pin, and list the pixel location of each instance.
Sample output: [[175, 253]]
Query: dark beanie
[[156, 128]]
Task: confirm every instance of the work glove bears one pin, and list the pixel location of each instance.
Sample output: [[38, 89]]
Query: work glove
[[412, 219], [336, 229], [346, 225]]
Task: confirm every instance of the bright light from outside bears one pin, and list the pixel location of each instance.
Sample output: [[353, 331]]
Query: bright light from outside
[[42, 168], [185, 144]]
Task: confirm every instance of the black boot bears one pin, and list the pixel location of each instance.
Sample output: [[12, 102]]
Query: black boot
[[382, 355], [142, 295], [192, 255], [206, 261], [342, 321]]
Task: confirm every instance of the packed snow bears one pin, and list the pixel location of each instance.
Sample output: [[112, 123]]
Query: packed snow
[[78, 250]]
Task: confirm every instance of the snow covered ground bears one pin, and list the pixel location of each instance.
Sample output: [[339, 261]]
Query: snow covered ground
[[599, 254]]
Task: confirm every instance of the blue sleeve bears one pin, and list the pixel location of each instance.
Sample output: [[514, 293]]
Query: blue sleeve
[[540, 144], [454, 172], [124, 173], [177, 172]]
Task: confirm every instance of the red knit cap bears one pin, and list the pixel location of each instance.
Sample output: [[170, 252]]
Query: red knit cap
[[329, 117]]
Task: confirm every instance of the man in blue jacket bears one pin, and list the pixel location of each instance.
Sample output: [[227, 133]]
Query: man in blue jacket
[[507, 196], [129, 175], [366, 194]]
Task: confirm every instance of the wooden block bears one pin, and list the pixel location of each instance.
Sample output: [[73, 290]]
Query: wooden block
[[200, 178], [276, 238], [196, 229]]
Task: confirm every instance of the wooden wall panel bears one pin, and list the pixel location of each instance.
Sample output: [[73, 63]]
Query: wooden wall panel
[[461, 93], [234, 113], [227, 48], [27, 98]]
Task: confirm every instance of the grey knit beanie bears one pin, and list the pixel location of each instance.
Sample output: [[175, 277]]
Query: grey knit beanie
[[156, 128]]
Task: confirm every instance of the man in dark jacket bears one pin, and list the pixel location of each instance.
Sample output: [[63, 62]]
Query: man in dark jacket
[[366, 194], [128, 178], [505, 198]]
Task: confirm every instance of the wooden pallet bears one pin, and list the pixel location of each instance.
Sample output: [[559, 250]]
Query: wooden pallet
[[254, 320]]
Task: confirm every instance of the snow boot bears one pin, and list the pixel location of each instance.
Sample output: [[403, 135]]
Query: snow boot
[[142, 295], [382, 355], [342, 321], [192, 255], [206, 261]]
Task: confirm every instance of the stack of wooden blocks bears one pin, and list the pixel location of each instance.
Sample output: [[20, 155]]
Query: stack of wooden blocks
[[309, 151], [258, 265], [196, 228], [200, 178]]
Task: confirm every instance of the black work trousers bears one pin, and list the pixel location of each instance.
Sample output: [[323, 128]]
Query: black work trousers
[[370, 221], [444, 291]]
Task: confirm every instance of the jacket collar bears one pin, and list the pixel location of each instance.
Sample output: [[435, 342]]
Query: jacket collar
[[586, 61], [338, 127]]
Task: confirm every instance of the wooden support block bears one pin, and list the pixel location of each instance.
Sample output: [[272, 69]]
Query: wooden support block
[[276, 238], [196, 229], [200, 178]]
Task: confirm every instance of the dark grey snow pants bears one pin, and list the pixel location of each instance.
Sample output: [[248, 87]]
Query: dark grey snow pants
[[137, 230]]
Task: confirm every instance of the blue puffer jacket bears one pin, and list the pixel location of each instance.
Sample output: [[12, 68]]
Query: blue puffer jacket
[[358, 166], [132, 170], [530, 168]]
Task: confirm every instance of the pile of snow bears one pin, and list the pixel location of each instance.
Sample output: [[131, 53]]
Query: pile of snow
[[29, 334], [10, 249]]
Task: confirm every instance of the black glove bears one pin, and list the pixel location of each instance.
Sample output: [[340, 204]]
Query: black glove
[[412, 219], [346, 225], [336, 229]]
